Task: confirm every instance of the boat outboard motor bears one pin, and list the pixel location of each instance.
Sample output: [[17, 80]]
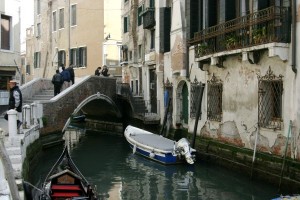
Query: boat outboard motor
[[183, 147]]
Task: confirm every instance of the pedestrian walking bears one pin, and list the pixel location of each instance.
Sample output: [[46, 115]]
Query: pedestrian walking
[[57, 81], [66, 77], [104, 71], [98, 71], [15, 101], [72, 73]]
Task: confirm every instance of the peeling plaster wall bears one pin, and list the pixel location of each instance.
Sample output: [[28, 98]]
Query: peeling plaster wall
[[240, 104]]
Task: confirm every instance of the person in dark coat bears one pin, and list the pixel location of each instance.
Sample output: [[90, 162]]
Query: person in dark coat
[[66, 77], [72, 73], [57, 81], [98, 71], [15, 101], [104, 71]]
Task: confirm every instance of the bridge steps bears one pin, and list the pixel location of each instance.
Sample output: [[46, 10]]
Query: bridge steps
[[41, 96]]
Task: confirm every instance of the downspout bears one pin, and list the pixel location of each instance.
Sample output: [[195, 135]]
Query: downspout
[[294, 42]]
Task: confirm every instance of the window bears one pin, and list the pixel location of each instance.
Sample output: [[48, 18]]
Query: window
[[27, 69], [270, 90], [152, 4], [37, 59], [73, 15], [152, 45], [38, 7], [22, 61], [124, 50], [5, 32], [38, 31], [125, 25], [140, 10], [54, 21], [61, 18], [214, 99], [140, 51], [73, 57], [82, 57], [130, 55], [195, 91], [61, 58]]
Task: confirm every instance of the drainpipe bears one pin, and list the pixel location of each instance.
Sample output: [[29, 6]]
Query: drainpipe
[[294, 36]]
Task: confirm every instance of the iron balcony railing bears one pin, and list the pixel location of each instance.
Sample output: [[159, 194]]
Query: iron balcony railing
[[265, 26]]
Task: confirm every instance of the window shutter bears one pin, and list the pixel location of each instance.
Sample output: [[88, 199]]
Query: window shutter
[[85, 57]]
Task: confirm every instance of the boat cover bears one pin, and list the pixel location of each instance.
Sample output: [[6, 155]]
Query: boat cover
[[155, 141]]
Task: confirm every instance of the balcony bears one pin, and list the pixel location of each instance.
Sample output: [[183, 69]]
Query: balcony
[[271, 25], [148, 18]]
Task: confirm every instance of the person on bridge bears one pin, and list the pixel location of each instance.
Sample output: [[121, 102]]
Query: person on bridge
[[66, 76], [72, 74], [15, 101], [98, 71], [57, 81], [104, 71]]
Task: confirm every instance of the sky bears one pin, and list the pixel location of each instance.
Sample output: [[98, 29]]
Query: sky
[[27, 16]]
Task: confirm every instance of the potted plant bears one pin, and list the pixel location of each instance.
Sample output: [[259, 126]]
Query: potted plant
[[259, 35], [201, 49], [231, 41]]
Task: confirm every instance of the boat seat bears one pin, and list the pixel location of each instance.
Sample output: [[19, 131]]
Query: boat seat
[[65, 194], [65, 187]]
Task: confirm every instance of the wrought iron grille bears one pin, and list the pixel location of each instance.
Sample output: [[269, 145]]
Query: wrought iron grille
[[195, 91], [265, 26], [270, 90], [169, 89], [214, 99]]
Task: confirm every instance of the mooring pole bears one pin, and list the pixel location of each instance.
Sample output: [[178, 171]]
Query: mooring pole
[[254, 150], [165, 117], [286, 146], [198, 113]]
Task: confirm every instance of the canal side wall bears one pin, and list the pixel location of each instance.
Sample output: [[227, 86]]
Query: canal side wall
[[279, 171], [57, 110]]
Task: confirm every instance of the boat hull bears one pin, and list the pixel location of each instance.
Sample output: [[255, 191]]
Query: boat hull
[[152, 146]]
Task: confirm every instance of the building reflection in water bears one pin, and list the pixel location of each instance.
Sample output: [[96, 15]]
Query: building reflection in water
[[72, 136]]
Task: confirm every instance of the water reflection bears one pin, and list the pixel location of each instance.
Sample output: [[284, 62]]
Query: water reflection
[[72, 136], [106, 160]]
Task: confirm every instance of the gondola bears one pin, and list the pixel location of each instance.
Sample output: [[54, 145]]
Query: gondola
[[159, 148], [64, 181]]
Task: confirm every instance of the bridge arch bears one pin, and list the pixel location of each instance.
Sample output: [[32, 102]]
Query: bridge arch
[[97, 106]]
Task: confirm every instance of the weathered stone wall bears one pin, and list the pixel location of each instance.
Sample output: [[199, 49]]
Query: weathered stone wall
[[57, 111]]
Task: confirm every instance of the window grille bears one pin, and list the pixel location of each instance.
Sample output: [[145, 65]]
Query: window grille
[[214, 99], [270, 90], [168, 94], [195, 91]]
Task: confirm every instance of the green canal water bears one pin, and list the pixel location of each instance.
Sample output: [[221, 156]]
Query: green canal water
[[107, 162]]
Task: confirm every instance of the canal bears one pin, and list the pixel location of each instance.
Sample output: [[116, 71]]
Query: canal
[[106, 161]]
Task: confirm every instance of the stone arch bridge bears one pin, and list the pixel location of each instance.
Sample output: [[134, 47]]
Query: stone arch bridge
[[101, 99]]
